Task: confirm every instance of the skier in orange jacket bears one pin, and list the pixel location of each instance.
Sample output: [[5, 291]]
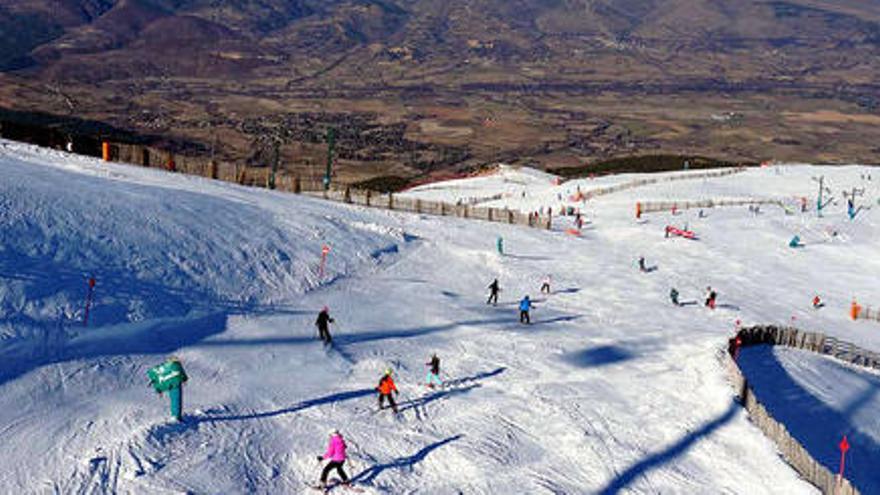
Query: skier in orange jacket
[[385, 389]]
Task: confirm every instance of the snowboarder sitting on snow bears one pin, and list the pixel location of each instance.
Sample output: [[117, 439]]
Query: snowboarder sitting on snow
[[336, 455], [433, 377], [642, 266], [493, 293], [545, 286], [323, 323], [524, 306], [817, 303], [385, 388], [711, 295], [673, 296]]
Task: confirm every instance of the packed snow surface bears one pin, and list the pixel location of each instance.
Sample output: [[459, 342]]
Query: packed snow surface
[[611, 389]]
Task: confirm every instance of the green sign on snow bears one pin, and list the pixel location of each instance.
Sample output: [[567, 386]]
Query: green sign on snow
[[167, 376]]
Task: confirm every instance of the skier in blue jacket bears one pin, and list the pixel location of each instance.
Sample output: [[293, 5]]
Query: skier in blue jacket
[[524, 306]]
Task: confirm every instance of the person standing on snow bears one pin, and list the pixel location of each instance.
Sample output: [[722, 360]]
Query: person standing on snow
[[499, 245], [323, 323], [524, 306], [673, 296], [336, 455], [545, 286], [386, 388], [711, 295], [433, 377], [493, 293]]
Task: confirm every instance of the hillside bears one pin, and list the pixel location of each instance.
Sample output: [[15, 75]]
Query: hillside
[[611, 389], [414, 86]]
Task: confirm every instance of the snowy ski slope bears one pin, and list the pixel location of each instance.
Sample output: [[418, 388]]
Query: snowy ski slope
[[612, 389]]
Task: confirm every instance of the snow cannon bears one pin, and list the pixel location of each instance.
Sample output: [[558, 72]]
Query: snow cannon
[[167, 375]]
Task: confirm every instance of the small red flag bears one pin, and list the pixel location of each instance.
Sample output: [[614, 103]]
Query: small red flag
[[844, 445]]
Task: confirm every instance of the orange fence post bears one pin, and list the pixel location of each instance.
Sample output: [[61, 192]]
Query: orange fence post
[[855, 310], [105, 151], [638, 210]]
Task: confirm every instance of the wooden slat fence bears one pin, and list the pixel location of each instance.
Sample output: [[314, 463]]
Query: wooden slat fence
[[643, 207], [793, 451], [262, 177], [646, 181]]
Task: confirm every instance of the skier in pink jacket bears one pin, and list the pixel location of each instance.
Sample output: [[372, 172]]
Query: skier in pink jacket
[[336, 455]]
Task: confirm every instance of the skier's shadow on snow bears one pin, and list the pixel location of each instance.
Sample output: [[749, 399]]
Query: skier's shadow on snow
[[192, 420], [527, 257], [340, 341], [441, 394], [447, 392], [371, 473], [479, 376], [542, 324], [570, 290]]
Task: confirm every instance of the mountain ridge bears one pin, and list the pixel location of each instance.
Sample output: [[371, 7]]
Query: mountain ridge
[[467, 78]]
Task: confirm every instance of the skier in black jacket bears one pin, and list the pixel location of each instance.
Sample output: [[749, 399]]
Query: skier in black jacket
[[493, 293], [323, 323]]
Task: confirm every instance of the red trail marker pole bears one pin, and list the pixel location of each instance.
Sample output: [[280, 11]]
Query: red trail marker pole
[[89, 301], [844, 447], [325, 250]]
